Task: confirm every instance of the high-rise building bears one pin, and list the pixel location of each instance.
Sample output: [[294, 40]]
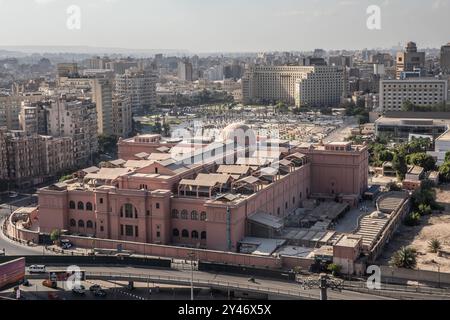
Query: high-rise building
[[410, 59], [57, 154], [28, 159], [9, 111], [75, 118], [67, 69], [322, 87], [420, 92], [341, 61], [122, 123], [102, 96], [120, 67], [185, 70], [3, 154], [445, 58], [24, 158], [281, 83], [97, 62], [139, 86]]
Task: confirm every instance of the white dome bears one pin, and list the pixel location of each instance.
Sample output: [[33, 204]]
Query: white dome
[[235, 129]]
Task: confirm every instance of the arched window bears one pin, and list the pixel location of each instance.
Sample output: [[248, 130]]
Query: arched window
[[80, 223], [175, 214], [80, 205], [89, 206], [185, 233], [184, 214], [73, 223], [72, 205], [89, 224], [175, 232], [203, 235], [194, 234], [194, 215], [203, 216]]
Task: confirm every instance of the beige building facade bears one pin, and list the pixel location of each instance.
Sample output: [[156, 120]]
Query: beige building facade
[[292, 84]]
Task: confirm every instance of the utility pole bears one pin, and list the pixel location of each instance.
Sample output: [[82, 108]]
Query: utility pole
[[323, 283]]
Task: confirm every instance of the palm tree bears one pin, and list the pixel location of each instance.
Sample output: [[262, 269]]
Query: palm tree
[[434, 245], [404, 258]]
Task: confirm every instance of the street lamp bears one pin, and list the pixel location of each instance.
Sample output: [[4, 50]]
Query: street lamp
[[192, 255]]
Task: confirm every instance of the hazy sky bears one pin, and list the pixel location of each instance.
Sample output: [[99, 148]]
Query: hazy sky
[[225, 25]]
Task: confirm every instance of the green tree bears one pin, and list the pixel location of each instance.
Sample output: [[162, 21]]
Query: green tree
[[157, 128], [107, 144], [444, 171], [434, 245], [65, 178], [447, 156], [422, 159], [399, 165], [281, 107], [166, 129], [408, 106], [413, 219], [334, 268], [54, 235], [385, 155], [404, 258], [418, 145], [424, 209]]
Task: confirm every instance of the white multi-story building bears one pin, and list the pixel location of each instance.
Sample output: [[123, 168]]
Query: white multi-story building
[[323, 87], [139, 86], [419, 91], [315, 85], [214, 73]]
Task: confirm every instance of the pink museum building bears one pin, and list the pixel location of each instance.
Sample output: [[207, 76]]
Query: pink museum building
[[201, 194]]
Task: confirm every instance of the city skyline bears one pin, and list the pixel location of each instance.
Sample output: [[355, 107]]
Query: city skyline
[[196, 26]]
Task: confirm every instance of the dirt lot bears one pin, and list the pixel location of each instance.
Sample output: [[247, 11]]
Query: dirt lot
[[433, 226]]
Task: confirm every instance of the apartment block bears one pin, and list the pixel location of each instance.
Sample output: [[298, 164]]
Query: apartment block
[[3, 154], [75, 118], [122, 119], [139, 86], [445, 59], [102, 91], [409, 60], [310, 84], [419, 91]]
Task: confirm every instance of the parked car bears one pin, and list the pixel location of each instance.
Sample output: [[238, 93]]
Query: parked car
[[26, 283], [100, 293], [50, 284], [80, 290], [66, 244], [35, 268], [95, 287]]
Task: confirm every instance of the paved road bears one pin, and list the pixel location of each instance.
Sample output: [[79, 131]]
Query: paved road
[[241, 280], [14, 249]]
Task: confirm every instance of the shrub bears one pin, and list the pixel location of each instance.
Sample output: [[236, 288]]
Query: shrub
[[434, 245], [404, 258], [413, 219]]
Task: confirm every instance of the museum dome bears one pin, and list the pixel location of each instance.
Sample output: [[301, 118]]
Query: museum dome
[[234, 129]]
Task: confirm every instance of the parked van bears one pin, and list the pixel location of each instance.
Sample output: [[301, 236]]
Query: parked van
[[37, 269]]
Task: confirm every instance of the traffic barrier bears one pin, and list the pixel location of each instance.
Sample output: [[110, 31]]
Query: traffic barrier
[[237, 269], [93, 260]]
